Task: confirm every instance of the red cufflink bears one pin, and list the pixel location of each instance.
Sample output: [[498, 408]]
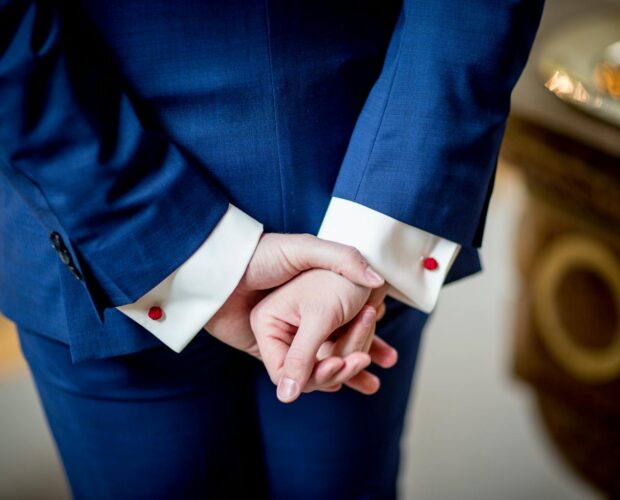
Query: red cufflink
[[430, 263], [156, 313]]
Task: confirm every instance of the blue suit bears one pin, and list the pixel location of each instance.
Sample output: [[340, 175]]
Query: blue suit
[[126, 128]]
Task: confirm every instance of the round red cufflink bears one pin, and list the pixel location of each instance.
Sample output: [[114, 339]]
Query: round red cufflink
[[156, 313], [430, 263]]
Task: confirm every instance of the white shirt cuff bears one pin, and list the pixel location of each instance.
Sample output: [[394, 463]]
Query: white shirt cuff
[[413, 262], [178, 308]]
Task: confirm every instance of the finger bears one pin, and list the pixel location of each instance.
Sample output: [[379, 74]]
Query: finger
[[358, 334], [301, 356], [371, 334], [326, 350], [381, 311], [273, 351], [353, 365], [364, 382], [274, 339], [306, 251], [382, 353], [377, 296], [324, 371], [369, 337], [332, 388], [377, 300]]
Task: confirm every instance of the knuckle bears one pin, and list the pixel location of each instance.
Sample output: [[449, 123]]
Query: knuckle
[[353, 254], [344, 305], [351, 260], [340, 312], [257, 317], [305, 238]]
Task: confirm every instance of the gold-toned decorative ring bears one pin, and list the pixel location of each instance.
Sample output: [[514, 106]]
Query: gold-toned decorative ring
[[563, 256]]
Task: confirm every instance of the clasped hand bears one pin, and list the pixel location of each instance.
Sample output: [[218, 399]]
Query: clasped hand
[[307, 308]]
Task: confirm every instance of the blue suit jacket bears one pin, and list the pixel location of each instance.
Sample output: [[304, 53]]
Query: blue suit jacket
[[127, 126]]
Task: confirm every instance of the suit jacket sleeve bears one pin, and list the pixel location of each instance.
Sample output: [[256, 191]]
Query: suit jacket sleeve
[[128, 205], [425, 146]]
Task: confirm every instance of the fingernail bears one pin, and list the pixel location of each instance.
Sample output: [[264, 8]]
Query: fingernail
[[287, 389], [373, 276], [368, 316]]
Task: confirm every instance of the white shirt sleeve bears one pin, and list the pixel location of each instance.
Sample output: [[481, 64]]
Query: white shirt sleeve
[[177, 308], [413, 262]]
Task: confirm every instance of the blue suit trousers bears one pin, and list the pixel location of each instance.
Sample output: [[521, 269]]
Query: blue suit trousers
[[206, 423]]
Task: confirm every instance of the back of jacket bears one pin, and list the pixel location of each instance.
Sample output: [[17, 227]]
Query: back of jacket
[[260, 97]]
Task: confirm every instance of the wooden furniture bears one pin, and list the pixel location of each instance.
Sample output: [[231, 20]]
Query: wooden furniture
[[568, 244]]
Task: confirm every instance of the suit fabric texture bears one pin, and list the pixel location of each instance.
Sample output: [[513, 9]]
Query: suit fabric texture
[[126, 128], [206, 423]]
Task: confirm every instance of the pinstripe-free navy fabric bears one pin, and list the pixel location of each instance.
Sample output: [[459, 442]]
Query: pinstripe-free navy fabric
[[128, 126]]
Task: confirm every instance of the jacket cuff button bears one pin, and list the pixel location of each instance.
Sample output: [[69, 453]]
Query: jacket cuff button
[[65, 256], [55, 240], [76, 274]]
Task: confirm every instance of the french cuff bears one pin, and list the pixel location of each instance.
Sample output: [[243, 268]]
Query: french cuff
[[177, 309], [413, 262]]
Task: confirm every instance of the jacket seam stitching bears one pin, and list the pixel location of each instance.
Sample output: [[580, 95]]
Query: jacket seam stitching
[[275, 117]]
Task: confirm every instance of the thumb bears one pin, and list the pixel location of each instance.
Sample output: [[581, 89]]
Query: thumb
[[301, 356], [309, 252]]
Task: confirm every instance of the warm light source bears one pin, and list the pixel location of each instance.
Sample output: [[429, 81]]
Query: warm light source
[[565, 87]]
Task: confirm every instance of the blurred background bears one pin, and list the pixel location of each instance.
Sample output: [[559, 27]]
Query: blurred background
[[516, 394]]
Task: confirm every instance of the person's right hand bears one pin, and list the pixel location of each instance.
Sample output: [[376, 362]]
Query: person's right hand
[[277, 259]]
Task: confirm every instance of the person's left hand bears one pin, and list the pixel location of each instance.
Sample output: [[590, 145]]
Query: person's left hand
[[294, 321]]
